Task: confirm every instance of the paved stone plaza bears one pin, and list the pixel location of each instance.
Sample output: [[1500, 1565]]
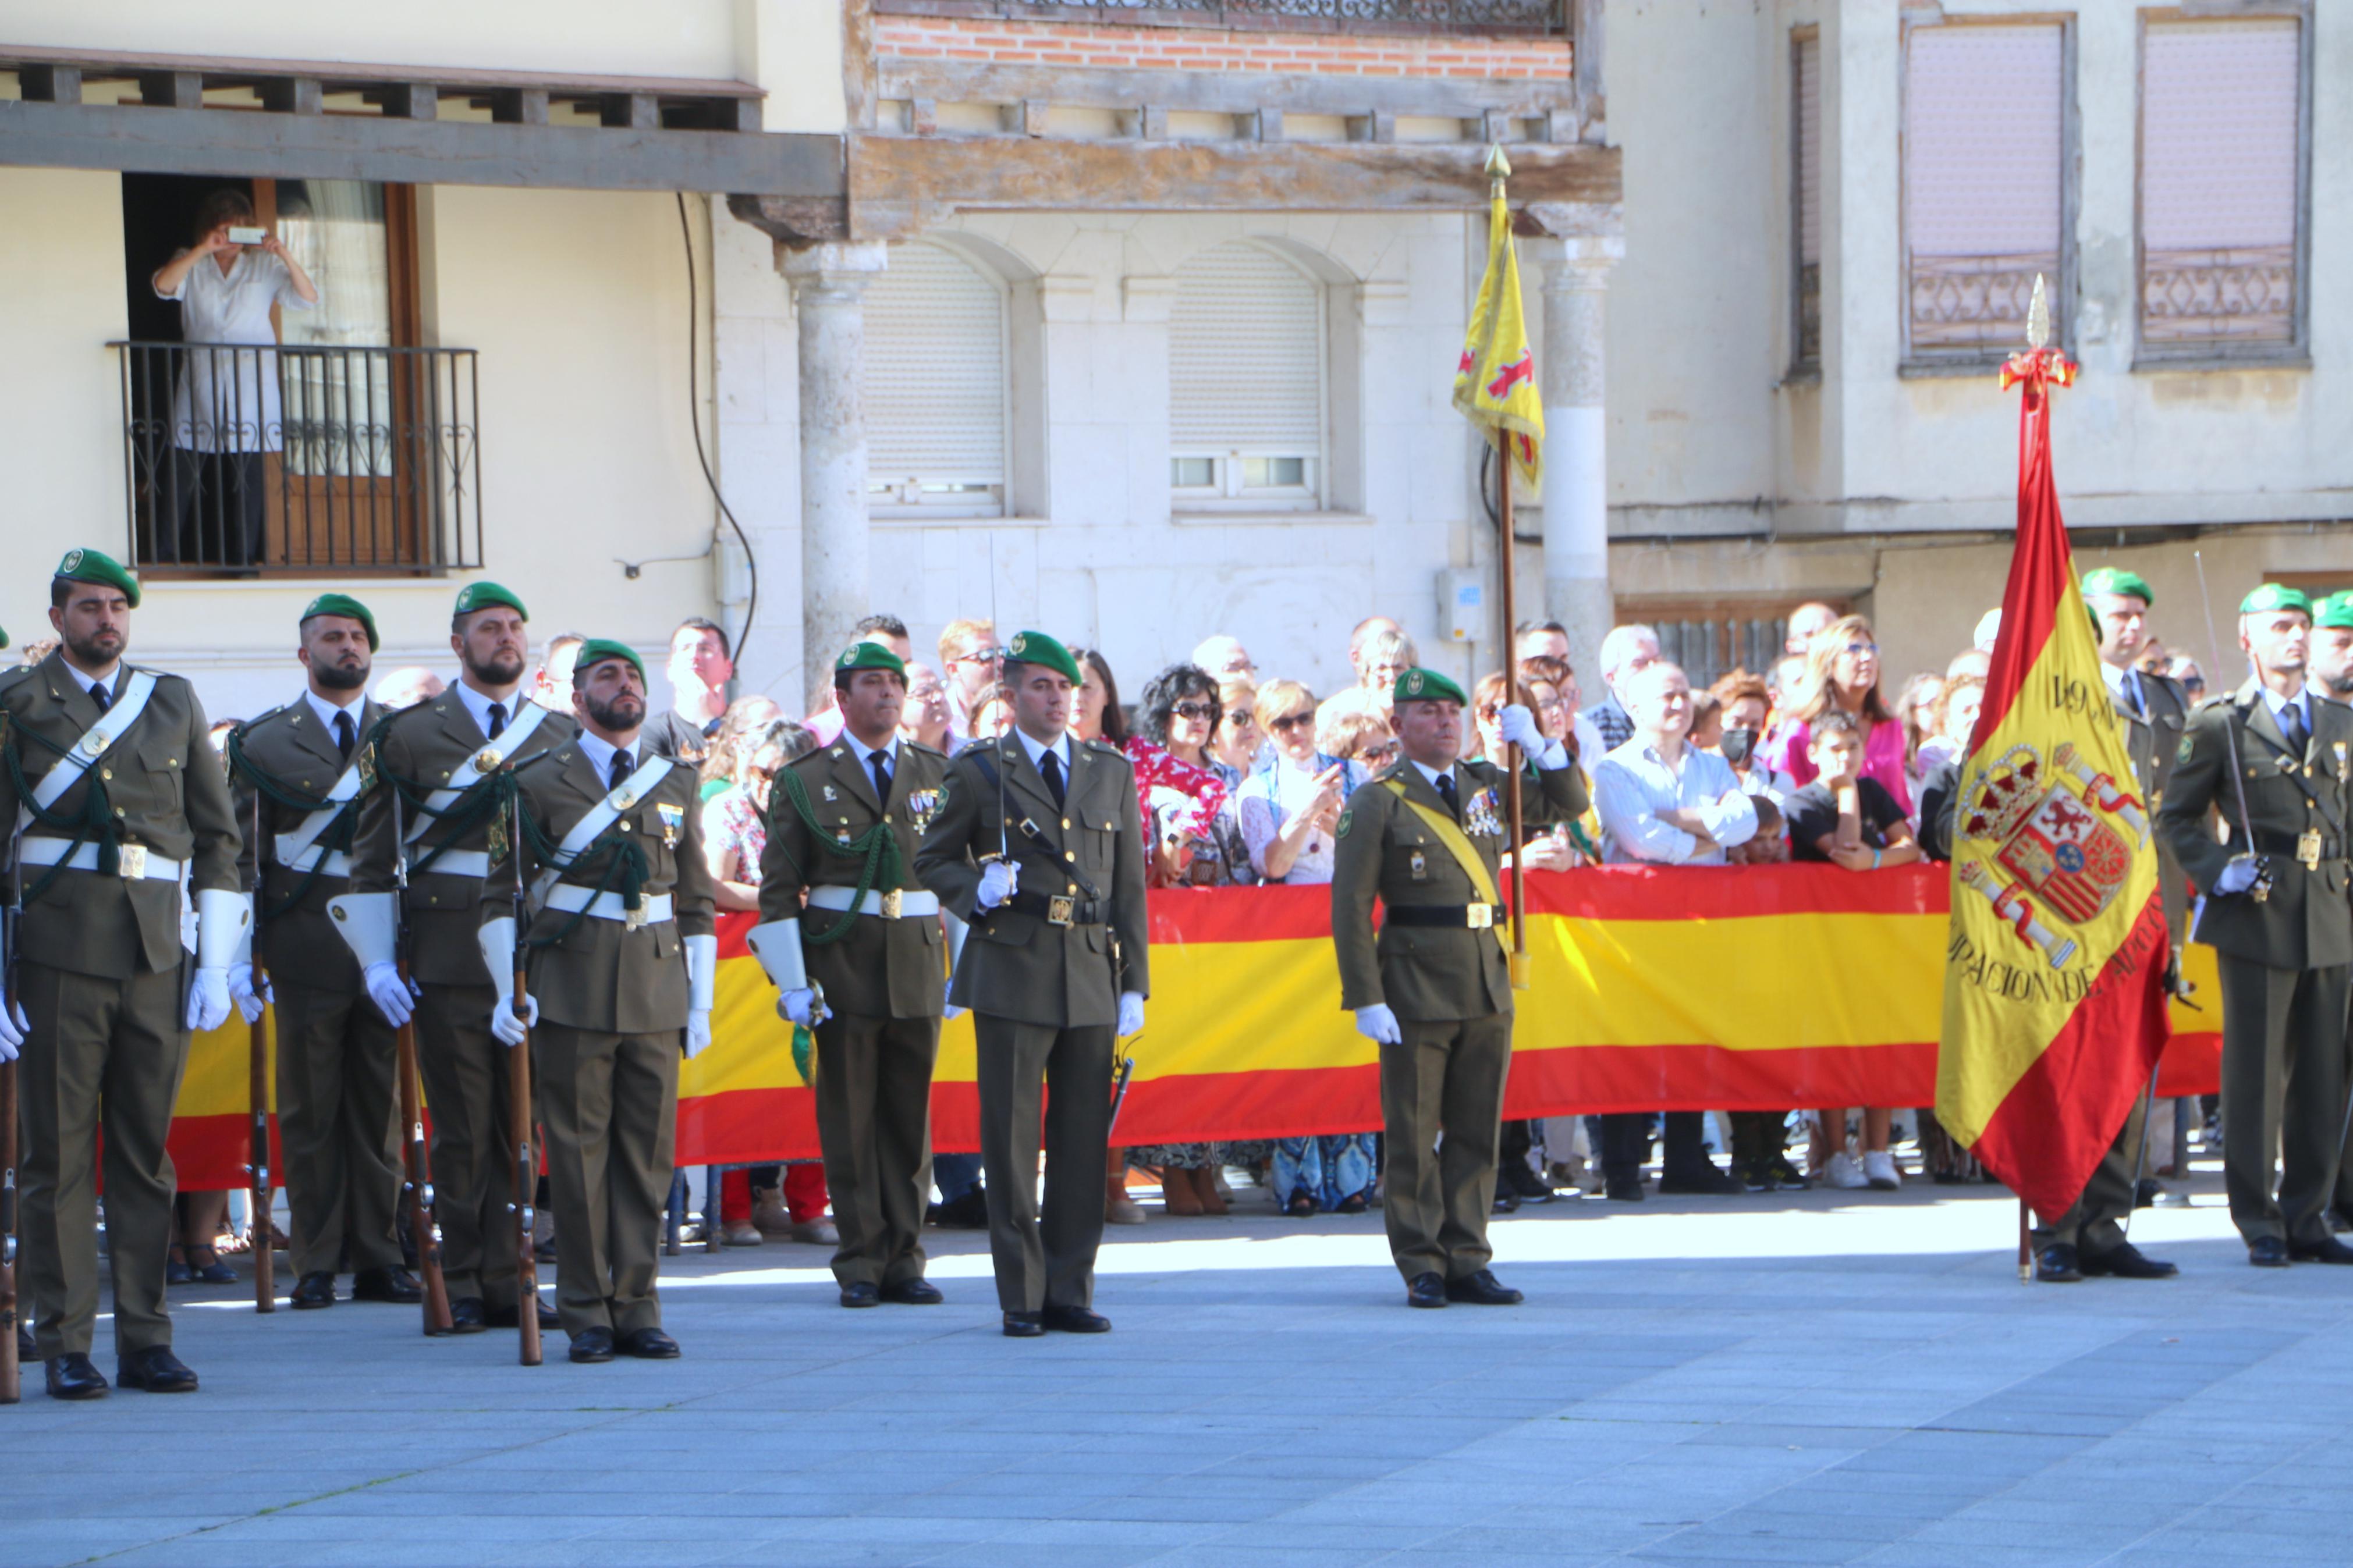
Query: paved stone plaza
[[1819, 1379]]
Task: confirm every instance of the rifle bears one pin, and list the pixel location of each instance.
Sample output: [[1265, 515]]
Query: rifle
[[416, 1164], [265, 1256], [526, 1171], [11, 929]]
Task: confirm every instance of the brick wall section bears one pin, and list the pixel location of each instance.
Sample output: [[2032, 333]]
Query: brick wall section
[[1202, 48]]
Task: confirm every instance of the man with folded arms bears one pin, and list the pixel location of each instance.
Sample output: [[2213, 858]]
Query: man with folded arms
[[336, 1114], [121, 806], [443, 757], [623, 959], [861, 969], [1434, 992]]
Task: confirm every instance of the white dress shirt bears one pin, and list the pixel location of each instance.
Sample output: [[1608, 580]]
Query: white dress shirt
[[1037, 749], [2127, 687], [601, 751], [890, 750], [2301, 703], [1634, 784], [327, 710], [480, 706]]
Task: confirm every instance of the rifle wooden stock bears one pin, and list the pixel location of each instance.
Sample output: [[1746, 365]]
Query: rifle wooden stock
[[417, 1166], [11, 1374]]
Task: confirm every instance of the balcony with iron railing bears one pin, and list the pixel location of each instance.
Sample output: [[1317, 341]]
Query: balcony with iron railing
[[1523, 17], [299, 460]]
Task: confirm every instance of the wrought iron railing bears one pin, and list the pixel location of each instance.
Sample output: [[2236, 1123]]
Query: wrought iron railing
[[2218, 298], [1976, 304], [1523, 16], [300, 459]]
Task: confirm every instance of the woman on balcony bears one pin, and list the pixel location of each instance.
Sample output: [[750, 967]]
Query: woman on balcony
[[224, 405]]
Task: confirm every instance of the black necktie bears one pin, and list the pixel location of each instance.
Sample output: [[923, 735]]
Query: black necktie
[[2291, 721], [1050, 765], [346, 734], [1448, 793], [622, 768], [103, 697], [881, 762], [2133, 690], [498, 719]]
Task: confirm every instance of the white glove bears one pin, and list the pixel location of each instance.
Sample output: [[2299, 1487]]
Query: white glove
[[392, 998], [1518, 728], [999, 881], [13, 1028], [1379, 1025], [249, 1001], [1130, 1014], [951, 1013], [511, 1029], [208, 1000], [698, 1030], [2238, 875], [800, 1004]]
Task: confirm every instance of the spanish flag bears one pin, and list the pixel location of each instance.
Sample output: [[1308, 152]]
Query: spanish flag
[[1495, 382], [2054, 978]]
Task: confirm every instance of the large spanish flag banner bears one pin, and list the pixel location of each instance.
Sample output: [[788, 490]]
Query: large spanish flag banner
[[2054, 996]]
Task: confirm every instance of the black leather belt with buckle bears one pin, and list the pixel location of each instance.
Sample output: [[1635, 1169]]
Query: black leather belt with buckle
[[1451, 916], [1056, 910], [2311, 849]]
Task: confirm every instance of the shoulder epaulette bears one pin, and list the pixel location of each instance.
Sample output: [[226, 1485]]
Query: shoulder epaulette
[[16, 675], [920, 747], [822, 753], [970, 748], [562, 749], [1105, 746]]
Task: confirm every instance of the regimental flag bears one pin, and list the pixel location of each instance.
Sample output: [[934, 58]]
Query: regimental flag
[[1495, 383], [2054, 979]]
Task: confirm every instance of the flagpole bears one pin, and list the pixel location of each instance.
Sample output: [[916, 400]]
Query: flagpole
[[1519, 894]]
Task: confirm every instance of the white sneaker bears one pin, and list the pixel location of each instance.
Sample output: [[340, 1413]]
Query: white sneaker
[[1879, 1171], [1842, 1171]]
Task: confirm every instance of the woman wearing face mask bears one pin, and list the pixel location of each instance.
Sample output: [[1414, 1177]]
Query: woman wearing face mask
[[1742, 706]]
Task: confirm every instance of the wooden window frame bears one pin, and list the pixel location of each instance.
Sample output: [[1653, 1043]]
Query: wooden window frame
[[1802, 365]]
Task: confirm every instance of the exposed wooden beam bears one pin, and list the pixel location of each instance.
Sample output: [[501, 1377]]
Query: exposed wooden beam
[[50, 84], [172, 89], [121, 65], [1218, 92], [294, 95], [416, 151]]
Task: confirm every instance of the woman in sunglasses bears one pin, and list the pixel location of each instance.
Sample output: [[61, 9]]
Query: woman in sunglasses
[[1842, 672]]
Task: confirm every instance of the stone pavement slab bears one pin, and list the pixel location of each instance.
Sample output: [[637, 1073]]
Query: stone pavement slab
[[1812, 1378]]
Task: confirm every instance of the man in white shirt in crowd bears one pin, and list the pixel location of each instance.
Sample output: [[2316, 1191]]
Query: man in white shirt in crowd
[[1626, 652], [1663, 802]]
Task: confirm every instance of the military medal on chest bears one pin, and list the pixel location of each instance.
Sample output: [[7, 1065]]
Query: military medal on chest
[[673, 818], [922, 805]]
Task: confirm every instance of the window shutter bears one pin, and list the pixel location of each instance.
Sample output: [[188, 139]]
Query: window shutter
[[1245, 356], [2219, 114], [1982, 159], [1806, 63], [934, 370]]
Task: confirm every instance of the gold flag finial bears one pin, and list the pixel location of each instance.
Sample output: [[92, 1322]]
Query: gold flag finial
[[1499, 168], [2038, 318]]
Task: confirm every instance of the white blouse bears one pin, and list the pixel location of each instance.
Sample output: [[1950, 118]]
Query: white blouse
[[226, 400], [1294, 787]]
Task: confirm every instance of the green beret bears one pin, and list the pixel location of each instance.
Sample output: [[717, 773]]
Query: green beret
[[1427, 686], [2273, 597], [869, 656], [1037, 647], [342, 605], [97, 566], [483, 595], [2117, 580], [596, 650], [2336, 611]]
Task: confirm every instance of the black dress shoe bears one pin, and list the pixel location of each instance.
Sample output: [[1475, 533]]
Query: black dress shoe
[[2341, 1217], [313, 1291], [1506, 1201], [1710, 1183], [393, 1285], [2147, 1193], [1024, 1325], [509, 1317], [2328, 1249], [915, 1292], [1483, 1289], [969, 1212], [1529, 1187], [1076, 1320], [2057, 1264], [592, 1345], [1426, 1290], [858, 1293], [71, 1376], [1623, 1189], [156, 1370], [649, 1345], [466, 1317], [2267, 1252], [2125, 1261]]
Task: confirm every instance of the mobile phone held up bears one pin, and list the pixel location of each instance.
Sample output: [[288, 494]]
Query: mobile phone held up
[[240, 234]]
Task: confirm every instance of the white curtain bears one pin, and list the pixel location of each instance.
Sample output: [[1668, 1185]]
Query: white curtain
[[338, 410]]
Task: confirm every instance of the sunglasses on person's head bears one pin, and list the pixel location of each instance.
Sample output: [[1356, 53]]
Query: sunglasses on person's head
[[1289, 721], [1192, 710]]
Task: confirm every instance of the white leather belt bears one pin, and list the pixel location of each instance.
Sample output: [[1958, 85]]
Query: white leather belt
[[895, 905], [337, 863], [655, 909], [474, 863], [136, 860]]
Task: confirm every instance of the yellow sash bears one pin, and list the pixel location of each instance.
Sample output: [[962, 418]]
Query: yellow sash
[[1450, 835]]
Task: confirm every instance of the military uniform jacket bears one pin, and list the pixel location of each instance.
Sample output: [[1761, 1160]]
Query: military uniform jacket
[[1384, 849], [1016, 962], [425, 744], [605, 974], [2306, 923], [164, 788], [880, 968], [298, 945], [2166, 718]]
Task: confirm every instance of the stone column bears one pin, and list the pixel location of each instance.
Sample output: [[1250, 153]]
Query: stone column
[[829, 282], [1576, 473]]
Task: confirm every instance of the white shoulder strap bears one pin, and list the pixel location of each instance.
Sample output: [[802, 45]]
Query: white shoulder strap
[[290, 845], [602, 815], [98, 739], [488, 760]]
